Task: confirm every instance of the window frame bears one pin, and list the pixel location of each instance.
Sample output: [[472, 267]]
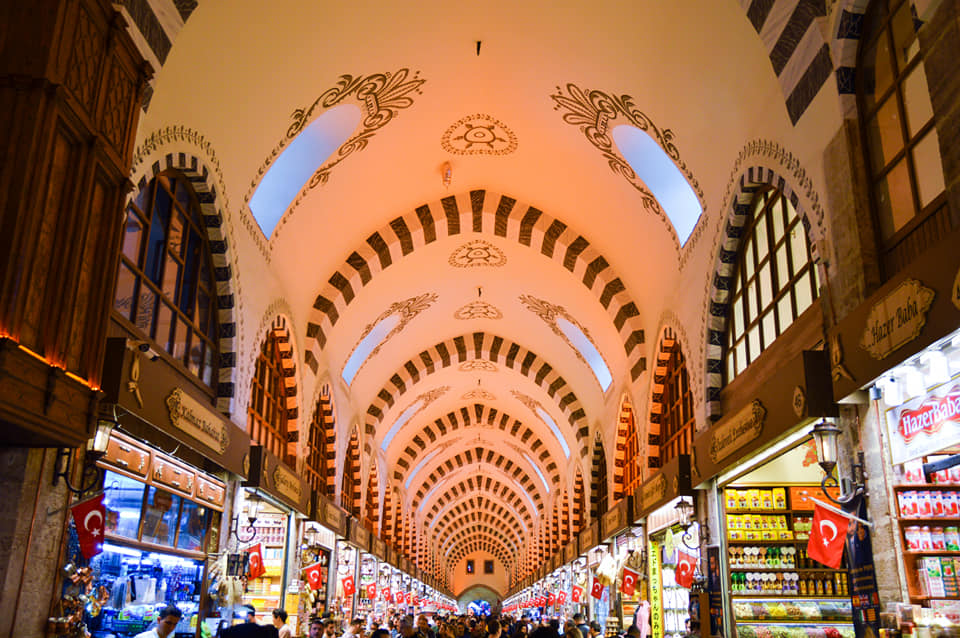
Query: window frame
[[677, 401], [267, 388]]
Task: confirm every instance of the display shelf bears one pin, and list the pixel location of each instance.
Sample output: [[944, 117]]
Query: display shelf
[[745, 597], [931, 552], [907, 487], [790, 621], [780, 570], [761, 541], [923, 598]]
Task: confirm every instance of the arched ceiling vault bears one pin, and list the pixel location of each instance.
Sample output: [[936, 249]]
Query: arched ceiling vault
[[478, 243]]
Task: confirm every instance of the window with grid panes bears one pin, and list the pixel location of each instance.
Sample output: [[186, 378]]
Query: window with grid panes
[[165, 282], [631, 451], [774, 283], [902, 149], [351, 471], [317, 449], [676, 424], [267, 412]]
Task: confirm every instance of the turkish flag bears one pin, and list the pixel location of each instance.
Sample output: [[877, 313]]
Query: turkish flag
[[596, 590], [576, 593], [401, 597], [629, 583], [314, 576], [371, 591], [686, 567], [551, 598], [827, 536], [414, 600], [348, 585], [561, 598], [89, 516], [255, 557], [386, 593]]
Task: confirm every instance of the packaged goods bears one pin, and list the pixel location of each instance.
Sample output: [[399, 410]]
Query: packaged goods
[[779, 498]]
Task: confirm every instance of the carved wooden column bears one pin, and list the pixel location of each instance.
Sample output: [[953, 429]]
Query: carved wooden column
[[71, 84]]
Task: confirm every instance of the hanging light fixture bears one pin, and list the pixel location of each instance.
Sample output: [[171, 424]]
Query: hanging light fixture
[[826, 440], [96, 448]]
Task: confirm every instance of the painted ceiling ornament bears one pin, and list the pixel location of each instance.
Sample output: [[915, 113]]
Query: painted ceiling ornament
[[432, 395], [528, 401], [478, 310], [595, 113], [408, 309], [381, 96], [479, 394], [479, 134], [477, 253], [478, 365], [549, 313]]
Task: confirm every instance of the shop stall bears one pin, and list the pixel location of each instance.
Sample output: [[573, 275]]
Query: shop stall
[[612, 524], [327, 524]]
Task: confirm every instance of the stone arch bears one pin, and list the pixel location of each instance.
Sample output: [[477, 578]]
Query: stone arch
[[579, 503], [474, 504], [478, 212], [488, 488], [480, 346], [599, 501], [431, 435], [798, 189], [204, 183], [451, 535], [476, 543], [624, 457], [845, 45], [371, 510], [350, 479]]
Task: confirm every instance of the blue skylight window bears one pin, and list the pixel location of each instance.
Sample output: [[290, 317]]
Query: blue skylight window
[[366, 346], [586, 348], [419, 465], [662, 177], [399, 423], [556, 431], [536, 468], [299, 161]]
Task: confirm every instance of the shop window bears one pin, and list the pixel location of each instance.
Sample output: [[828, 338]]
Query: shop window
[[598, 491], [320, 447], [676, 417], [775, 280], [165, 288], [123, 502], [267, 412], [160, 516], [899, 139], [628, 452], [350, 482]]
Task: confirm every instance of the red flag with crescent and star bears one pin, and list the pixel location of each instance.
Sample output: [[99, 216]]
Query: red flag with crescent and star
[[89, 516], [596, 590], [348, 585], [371, 591], [575, 593], [255, 558], [686, 567], [629, 583], [828, 534], [386, 594], [314, 576]]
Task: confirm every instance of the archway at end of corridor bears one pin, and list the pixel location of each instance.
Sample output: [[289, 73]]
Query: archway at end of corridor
[[479, 592]]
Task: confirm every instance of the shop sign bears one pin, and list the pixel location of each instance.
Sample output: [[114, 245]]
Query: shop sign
[[656, 598], [924, 425], [654, 490], [742, 428], [333, 517], [191, 417], [896, 319], [614, 519], [588, 539], [287, 483]]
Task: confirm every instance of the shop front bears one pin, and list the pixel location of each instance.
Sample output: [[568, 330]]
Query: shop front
[[348, 558], [275, 501], [327, 523], [613, 525], [600, 574], [897, 365], [761, 469], [380, 578]]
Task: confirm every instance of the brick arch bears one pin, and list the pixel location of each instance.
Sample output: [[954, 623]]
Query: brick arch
[[456, 554], [281, 333], [487, 487], [846, 32], [477, 529], [626, 455], [485, 213], [579, 509], [478, 544], [203, 181], [742, 189], [598, 481], [481, 454], [371, 511], [490, 347], [475, 504], [433, 434], [479, 522], [790, 33], [325, 422], [350, 481]]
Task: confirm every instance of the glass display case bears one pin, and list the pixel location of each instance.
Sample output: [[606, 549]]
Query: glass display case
[[793, 618]]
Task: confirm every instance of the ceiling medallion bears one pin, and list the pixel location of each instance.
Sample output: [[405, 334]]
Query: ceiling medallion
[[478, 365], [479, 134], [480, 395], [478, 310], [477, 253]]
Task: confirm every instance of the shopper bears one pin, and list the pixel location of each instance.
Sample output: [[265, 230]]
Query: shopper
[[354, 629], [167, 621], [406, 627], [423, 627], [581, 624], [316, 628], [280, 622]]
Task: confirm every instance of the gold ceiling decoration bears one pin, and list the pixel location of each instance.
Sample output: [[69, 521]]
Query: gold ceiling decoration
[[478, 310], [479, 134], [477, 253]]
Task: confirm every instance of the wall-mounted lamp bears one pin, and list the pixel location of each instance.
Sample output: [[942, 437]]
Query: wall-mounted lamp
[[825, 437], [251, 521], [686, 515], [96, 448]]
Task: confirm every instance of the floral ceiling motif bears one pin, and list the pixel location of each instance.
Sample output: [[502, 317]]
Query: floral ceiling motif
[[478, 310], [479, 394], [478, 365], [479, 134], [477, 253], [549, 313]]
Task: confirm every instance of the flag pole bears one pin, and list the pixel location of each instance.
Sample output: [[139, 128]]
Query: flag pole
[[837, 510]]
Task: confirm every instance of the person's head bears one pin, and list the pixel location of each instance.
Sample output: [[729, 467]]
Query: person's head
[[380, 633], [279, 617], [406, 626], [167, 620], [493, 628], [422, 623], [595, 628], [316, 628], [578, 618], [572, 632], [543, 632], [356, 625], [330, 628], [633, 631], [251, 614]]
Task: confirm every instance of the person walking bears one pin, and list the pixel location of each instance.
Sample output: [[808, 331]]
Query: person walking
[[167, 621], [280, 622]]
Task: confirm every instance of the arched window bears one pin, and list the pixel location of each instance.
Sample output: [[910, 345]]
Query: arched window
[[676, 403], [774, 283], [627, 475], [165, 286], [350, 482], [579, 503], [565, 521], [899, 138], [267, 412], [372, 516], [598, 488], [321, 447]]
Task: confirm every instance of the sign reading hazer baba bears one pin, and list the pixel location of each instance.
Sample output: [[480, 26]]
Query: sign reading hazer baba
[[896, 319], [190, 416]]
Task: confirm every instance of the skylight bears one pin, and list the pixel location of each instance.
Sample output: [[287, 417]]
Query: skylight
[[299, 161], [419, 465], [662, 177], [367, 344], [536, 468], [589, 352], [556, 431], [401, 420]]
